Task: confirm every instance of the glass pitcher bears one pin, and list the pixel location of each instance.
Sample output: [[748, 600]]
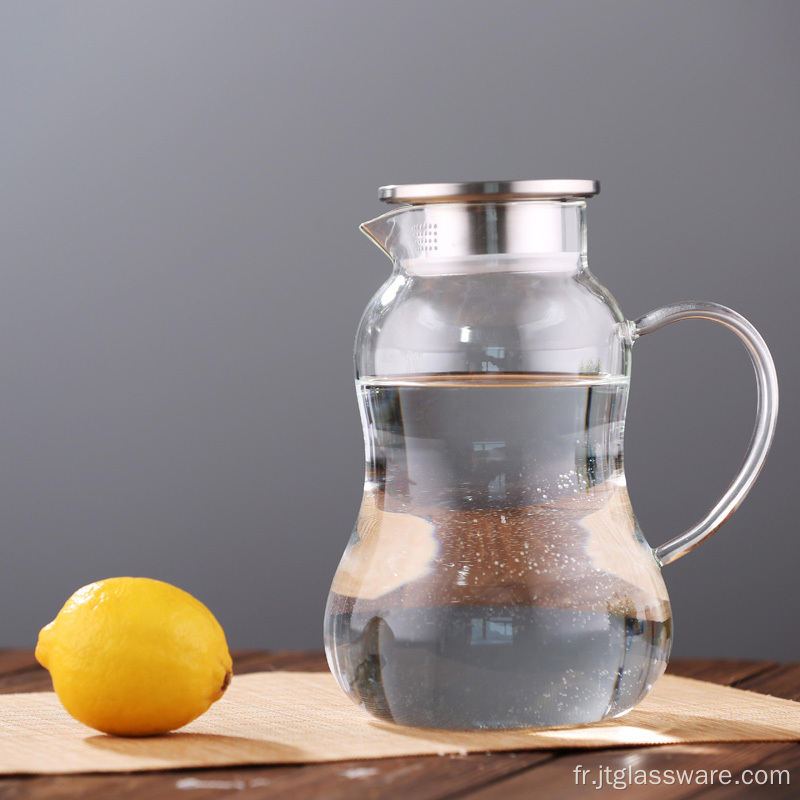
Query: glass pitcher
[[497, 577]]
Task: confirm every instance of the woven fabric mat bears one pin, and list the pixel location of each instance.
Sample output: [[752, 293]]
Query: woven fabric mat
[[298, 717]]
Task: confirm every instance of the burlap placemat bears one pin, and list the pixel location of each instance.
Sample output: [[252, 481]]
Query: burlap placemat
[[290, 718]]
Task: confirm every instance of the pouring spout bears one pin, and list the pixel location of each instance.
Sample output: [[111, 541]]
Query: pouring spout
[[380, 230]]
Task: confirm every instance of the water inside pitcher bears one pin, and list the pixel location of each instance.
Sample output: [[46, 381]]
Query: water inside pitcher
[[496, 576]]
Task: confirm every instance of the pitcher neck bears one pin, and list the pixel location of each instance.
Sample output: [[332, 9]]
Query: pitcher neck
[[519, 235]]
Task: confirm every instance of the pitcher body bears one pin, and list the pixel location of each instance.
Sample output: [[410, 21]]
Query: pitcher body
[[496, 577]]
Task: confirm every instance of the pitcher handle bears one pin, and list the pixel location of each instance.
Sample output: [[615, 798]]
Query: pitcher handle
[[766, 415]]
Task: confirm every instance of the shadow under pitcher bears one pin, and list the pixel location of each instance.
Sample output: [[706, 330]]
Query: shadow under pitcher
[[497, 577]]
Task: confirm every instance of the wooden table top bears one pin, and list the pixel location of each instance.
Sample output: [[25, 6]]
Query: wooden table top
[[510, 776]]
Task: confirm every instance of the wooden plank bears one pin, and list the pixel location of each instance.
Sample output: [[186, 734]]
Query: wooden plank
[[777, 776], [16, 660], [424, 778], [22, 673], [421, 778], [478, 776], [295, 660], [781, 681], [586, 774], [559, 777], [35, 679], [134, 786], [726, 671]]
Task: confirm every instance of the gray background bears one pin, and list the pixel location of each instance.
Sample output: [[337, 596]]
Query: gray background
[[182, 276]]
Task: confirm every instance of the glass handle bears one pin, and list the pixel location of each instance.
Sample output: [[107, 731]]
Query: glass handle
[[766, 415]]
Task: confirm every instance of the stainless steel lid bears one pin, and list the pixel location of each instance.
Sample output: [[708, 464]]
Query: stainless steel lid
[[414, 193]]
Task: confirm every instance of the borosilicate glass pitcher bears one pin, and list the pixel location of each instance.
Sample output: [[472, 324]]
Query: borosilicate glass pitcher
[[497, 577]]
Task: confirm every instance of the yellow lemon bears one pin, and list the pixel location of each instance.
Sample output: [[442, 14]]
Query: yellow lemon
[[135, 656]]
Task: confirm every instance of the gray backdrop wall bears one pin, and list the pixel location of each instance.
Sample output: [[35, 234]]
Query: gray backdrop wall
[[182, 276]]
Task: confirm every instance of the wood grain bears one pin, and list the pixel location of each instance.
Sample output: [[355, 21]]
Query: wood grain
[[728, 672], [557, 778], [428, 778], [477, 776], [20, 672]]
